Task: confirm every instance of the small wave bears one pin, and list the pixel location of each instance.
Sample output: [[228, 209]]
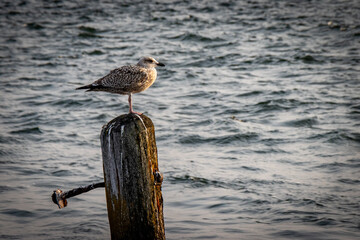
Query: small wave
[[195, 37], [252, 169], [87, 29], [34, 26], [47, 64], [62, 173], [34, 130], [88, 35], [67, 103], [94, 52], [309, 59], [350, 181], [337, 166], [265, 60], [195, 181], [18, 213], [99, 117], [305, 122], [306, 201], [337, 136], [218, 45], [215, 61], [221, 140], [4, 188], [197, 94], [325, 221], [88, 32], [276, 105], [252, 93], [260, 182]]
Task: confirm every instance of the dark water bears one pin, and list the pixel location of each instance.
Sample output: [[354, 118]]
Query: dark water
[[256, 113]]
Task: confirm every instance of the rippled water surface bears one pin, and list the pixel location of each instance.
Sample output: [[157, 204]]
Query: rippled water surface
[[256, 113]]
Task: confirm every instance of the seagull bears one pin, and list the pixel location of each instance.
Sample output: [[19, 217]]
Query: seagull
[[127, 80]]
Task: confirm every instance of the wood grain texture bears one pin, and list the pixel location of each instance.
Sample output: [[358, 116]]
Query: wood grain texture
[[134, 201]]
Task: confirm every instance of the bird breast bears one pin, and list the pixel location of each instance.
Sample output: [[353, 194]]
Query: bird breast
[[150, 78]]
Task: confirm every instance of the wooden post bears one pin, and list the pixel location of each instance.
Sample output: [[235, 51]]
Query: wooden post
[[132, 178]]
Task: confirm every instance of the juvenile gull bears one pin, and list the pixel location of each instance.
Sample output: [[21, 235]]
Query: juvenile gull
[[127, 80]]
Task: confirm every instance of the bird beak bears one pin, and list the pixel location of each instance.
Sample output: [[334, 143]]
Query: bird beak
[[161, 64]]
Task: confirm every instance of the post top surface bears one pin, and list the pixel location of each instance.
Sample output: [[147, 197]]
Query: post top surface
[[126, 119]]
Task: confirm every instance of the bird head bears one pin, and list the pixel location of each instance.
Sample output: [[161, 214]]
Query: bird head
[[149, 62]]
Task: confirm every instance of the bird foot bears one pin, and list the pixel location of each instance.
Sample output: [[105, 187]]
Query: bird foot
[[133, 112]]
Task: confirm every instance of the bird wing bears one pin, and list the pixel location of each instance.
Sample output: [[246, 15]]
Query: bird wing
[[124, 78]]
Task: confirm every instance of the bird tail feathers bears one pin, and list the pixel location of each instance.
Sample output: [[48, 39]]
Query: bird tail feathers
[[92, 87], [84, 87], [89, 87]]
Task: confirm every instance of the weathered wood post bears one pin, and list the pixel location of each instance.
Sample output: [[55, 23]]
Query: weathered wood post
[[132, 178]]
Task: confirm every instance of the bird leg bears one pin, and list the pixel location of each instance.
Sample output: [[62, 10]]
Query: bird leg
[[130, 105]]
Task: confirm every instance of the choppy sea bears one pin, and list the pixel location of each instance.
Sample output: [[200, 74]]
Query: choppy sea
[[256, 114]]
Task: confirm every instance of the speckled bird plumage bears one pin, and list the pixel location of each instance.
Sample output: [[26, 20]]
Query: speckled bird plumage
[[127, 80]]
